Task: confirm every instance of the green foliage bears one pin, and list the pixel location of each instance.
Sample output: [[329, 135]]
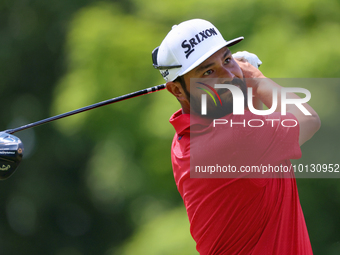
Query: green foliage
[[101, 182], [171, 232]]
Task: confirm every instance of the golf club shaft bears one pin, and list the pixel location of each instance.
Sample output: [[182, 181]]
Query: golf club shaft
[[90, 107]]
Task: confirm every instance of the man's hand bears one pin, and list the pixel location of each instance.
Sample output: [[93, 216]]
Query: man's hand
[[249, 63], [249, 71], [263, 91], [249, 57]]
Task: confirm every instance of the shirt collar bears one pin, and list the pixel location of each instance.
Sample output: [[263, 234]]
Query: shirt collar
[[183, 121]]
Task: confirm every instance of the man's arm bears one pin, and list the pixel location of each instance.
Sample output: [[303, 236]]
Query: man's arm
[[263, 90]]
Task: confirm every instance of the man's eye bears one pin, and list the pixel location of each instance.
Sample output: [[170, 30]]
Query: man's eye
[[227, 60], [208, 72]]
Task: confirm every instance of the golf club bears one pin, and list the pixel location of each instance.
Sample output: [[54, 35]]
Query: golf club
[[11, 147]]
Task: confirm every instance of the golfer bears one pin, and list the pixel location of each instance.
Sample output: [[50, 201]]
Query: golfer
[[233, 215]]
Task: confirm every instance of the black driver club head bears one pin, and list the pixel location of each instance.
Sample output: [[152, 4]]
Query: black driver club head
[[11, 151], [11, 148]]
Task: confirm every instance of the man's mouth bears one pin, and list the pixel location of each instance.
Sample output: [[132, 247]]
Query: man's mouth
[[225, 90]]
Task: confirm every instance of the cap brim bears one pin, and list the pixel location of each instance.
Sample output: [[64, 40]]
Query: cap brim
[[211, 52], [234, 41]]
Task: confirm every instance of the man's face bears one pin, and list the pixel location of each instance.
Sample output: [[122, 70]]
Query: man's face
[[219, 68]]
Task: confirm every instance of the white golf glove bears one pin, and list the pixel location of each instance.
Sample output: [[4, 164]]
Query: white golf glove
[[250, 57]]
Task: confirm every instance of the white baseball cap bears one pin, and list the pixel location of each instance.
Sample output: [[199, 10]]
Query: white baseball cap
[[186, 46]]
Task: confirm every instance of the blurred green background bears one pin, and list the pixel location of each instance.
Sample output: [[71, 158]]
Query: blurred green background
[[101, 182]]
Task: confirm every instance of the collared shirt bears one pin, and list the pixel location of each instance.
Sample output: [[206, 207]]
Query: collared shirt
[[240, 214]]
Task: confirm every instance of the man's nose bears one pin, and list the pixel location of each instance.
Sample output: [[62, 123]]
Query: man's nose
[[226, 73]]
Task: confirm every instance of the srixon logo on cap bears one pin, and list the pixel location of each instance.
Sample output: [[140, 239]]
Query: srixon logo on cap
[[200, 37]]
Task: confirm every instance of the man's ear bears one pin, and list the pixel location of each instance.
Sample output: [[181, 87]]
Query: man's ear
[[176, 89]]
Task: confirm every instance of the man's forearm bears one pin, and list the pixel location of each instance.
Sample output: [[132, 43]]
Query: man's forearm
[[309, 124]]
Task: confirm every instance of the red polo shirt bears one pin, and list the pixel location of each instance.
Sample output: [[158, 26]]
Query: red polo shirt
[[256, 216]]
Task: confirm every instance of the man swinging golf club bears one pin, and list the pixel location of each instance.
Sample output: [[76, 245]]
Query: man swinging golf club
[[235, 214]]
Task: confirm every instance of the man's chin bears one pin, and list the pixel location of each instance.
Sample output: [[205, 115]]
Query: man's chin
[[219, 113]]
